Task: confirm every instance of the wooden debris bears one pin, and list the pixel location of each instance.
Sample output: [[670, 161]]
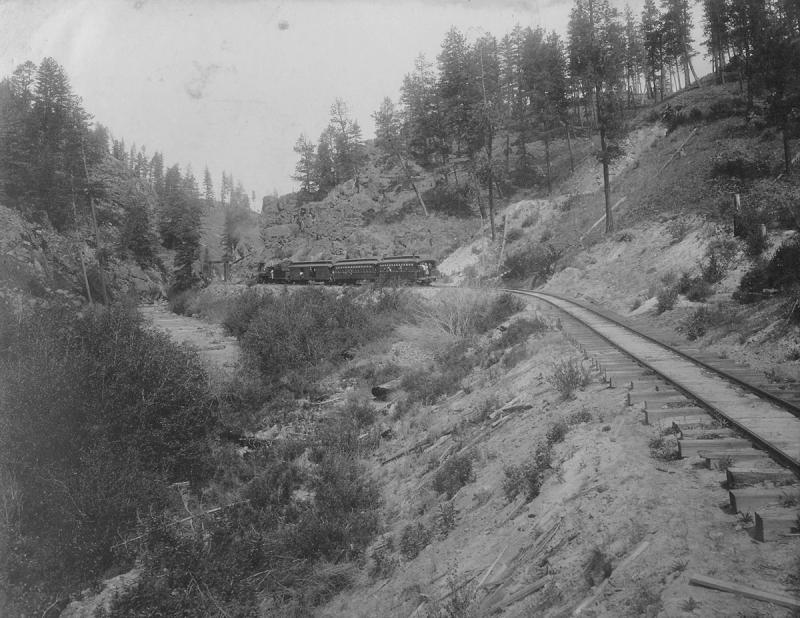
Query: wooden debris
[[599, 590], [745, 591]]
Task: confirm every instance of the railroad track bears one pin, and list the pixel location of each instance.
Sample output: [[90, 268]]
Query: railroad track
[[726, 414]]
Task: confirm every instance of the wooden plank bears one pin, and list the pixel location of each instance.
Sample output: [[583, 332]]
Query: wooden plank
[[774, 523], [690, 448], [743, 477], [745, 591], [704, 433], [677, 414], [600, 590], [750, 499], [746, 456]]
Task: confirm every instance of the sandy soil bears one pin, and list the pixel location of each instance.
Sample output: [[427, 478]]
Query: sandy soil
[[606, 496]]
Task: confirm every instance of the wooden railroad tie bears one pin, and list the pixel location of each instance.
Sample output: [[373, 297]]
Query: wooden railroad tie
[[774, 523], [738, 477], [749, 499]]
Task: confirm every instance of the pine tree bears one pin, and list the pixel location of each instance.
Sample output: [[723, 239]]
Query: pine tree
[[306, 169], [208, 189], [596, 56]]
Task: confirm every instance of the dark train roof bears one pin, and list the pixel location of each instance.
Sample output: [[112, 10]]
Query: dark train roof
[[315, 263]]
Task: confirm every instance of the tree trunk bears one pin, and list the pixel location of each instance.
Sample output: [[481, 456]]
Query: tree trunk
[[404, 165], [100, 260], [478, 196], [508, 153], [787, 153], [547, 158], [606, 180], [569, 147]]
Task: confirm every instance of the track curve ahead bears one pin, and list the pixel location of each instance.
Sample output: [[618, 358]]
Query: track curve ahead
[[768, 420]]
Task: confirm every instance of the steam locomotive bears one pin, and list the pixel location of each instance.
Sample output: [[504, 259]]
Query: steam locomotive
[[392, 270]]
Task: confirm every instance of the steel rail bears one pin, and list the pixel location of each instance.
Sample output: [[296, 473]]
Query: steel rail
[[786, 459]]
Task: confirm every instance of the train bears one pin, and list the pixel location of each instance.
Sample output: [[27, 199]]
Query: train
[[390, 270]]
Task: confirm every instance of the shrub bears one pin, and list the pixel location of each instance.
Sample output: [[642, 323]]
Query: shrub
[[696, 289], [666, 298], [527, 478], [453, 474], [305, 328], [568, 376], [514, 235], [449, 199], [383, 562], [359, 411], [557, 432], [781, 273], [463, 313], [241, 312], [703, 318], [445, 518], [537, 261], [99, 414], [413, 539], [518, 331], [720, 254], [664, 448], [581, 416]]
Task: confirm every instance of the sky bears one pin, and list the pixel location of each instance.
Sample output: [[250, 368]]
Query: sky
[[231, 84]]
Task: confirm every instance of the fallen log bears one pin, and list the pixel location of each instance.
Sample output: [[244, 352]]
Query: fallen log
[[745, 591]]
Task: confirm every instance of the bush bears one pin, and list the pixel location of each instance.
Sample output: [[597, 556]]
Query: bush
[[449, 199], [537, 261], [464, 313], [568, 376], [666, 298], [241, 312], [557, 432], [518, 331], [581, 416], [701, 320], [445, 519], [527, 478], [720, 254], [514, 235], [99, 415], [781, 273], [696, 289], [413, 539], [303, 329], [453, 474]]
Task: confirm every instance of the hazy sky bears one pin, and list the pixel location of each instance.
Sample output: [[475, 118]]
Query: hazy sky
[[232, 83]]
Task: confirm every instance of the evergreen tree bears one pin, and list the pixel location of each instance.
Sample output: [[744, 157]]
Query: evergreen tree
[[653, 42], [597, 56], [208, 189], [306, 169], [325, 165], [422, 123], [715, 28]]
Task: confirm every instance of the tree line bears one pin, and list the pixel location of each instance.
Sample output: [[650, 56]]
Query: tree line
[[60, 169], [485, 101]]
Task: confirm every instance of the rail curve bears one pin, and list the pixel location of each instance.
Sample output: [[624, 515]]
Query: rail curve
[[765, 418]]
